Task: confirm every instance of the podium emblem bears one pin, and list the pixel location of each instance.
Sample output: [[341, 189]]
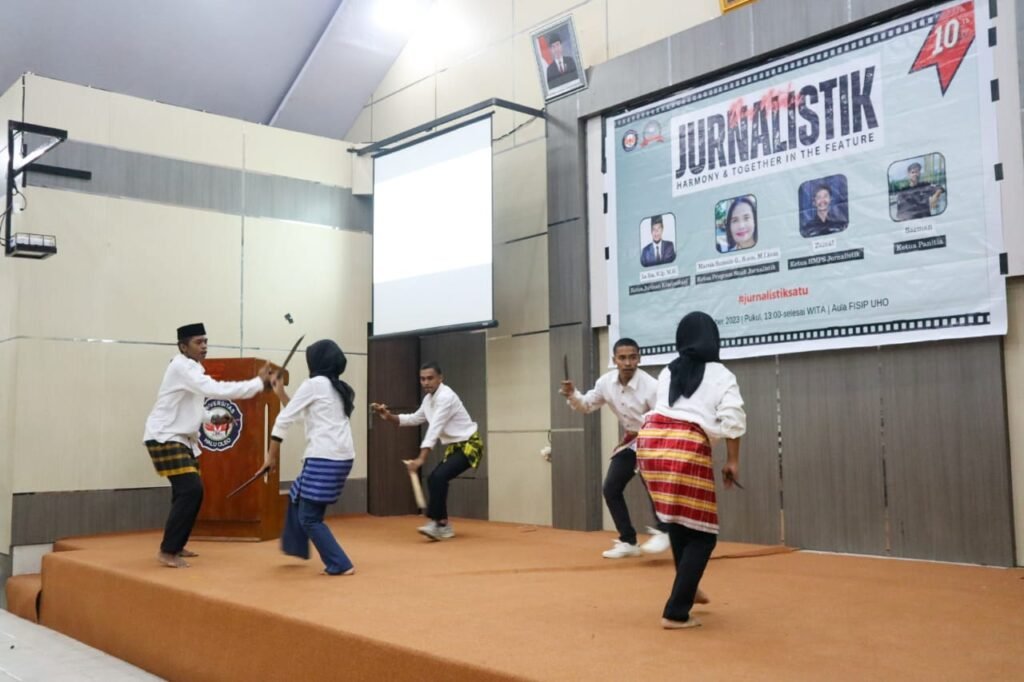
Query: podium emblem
[[217, 437]]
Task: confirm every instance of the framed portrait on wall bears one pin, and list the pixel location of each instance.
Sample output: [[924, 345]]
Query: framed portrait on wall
[[558, 59], [727, 5]]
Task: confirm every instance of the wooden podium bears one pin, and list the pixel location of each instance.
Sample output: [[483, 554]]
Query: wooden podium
[[232, 454]]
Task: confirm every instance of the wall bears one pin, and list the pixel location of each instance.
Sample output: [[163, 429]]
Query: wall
[[468, 52], [10, 108], [188, 217], [633, 53]]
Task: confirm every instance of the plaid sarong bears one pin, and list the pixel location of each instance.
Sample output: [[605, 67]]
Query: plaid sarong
[[473, 449], [172, 458], [674, 458]]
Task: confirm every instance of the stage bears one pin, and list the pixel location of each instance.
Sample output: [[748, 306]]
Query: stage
[[502, 601]]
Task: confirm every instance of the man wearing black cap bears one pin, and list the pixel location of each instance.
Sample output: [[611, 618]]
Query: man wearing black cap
[[918, 199], [172, 433]]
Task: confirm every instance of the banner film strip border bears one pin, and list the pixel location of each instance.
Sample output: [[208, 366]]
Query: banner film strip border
[[786, 65], [825, 333]]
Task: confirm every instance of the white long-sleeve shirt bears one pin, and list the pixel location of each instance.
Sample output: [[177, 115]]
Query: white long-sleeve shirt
[[179, 410], [447, 418], [716, 406], [328, 431], [628, 402]]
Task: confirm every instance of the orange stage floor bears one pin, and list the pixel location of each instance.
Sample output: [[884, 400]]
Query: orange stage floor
[[503, 601]]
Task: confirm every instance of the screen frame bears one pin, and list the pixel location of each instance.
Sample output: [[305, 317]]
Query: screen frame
[[445, 329]]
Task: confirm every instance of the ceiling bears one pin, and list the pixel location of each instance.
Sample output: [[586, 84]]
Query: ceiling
[[305, 65]]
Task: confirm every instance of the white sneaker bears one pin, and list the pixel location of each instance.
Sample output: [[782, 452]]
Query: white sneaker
[[445, 532], [658, 542], [431, 530], [620, 550]]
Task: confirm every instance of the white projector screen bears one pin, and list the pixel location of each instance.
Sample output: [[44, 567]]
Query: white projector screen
[[432, 233]]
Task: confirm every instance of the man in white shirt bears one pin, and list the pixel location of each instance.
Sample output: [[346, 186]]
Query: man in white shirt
[[172, 433], [448, 422], [629, 393]]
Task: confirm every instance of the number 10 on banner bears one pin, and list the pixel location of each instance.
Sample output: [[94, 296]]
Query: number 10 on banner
[[948, 43]]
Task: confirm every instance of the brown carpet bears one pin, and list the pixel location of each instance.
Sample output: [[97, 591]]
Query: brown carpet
[[502, 601], [22, 592]]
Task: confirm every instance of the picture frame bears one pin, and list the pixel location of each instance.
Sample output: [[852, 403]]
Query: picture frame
[[557, 52], [728, 5]]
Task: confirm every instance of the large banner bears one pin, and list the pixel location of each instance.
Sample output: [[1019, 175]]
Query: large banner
[[842, 196]]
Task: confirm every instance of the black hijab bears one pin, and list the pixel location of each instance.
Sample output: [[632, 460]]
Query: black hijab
[[326, 359], [697, 342]]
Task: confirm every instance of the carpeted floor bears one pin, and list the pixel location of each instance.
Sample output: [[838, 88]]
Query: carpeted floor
[[503, 601]]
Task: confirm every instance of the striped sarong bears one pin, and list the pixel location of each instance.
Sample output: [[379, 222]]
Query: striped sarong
[[172, 458], [473, 449], [321, 480], [674, 458]]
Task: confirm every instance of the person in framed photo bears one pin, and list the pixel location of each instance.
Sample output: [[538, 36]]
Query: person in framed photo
[[562, 68], [658, 251]]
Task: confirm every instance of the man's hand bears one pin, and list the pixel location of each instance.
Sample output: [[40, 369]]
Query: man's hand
[[567, 389], [413, 465], [265, 375], [383, 412]]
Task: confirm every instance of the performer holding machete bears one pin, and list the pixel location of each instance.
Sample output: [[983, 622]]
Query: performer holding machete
[[172, 434], [448, 422], [325, 402]]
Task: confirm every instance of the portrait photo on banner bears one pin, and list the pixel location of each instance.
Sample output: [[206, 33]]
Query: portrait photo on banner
[[736, 223], [823, 206], [917, 187], [558, 59], [657, 240]]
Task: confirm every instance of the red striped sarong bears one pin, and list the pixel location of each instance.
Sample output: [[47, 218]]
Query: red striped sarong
[[674, 458]]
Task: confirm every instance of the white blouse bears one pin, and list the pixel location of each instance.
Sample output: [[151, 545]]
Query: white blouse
[[716, 406], [328, 431]]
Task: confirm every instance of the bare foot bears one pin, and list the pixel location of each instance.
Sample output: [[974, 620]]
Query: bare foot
[[701, 598], [187, 553], [680, 624], [171, 560]]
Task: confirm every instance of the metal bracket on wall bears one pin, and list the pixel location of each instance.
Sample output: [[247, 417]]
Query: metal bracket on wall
[[380, 147], [20, 156]]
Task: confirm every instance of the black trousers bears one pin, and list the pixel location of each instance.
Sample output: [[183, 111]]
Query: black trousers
[[437, 484], [186, 498], [621, 470], [691, 550]]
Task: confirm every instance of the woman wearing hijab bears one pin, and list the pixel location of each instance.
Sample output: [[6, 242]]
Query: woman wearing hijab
[[697, 400], [325, 402]]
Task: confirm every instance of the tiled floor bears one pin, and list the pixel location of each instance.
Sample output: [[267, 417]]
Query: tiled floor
[[32, 652]]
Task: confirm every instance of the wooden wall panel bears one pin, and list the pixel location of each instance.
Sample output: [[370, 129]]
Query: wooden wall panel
[[833, 493], [393, 379], [575, 439], [753, 514], [947, 453]]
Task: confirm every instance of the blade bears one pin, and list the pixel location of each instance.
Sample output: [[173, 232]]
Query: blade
[[259, 474], [292, 352], [565, 366]]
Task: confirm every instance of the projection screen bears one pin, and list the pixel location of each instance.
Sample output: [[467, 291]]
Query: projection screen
[[432, 233]]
